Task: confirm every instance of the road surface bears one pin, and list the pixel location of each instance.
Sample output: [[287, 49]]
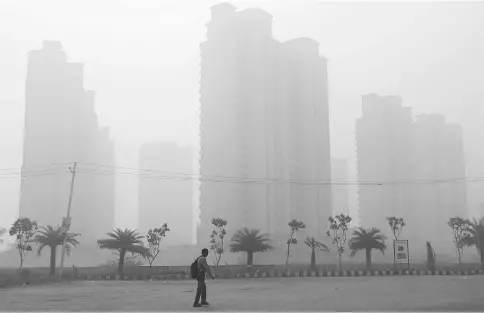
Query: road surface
[[404, 293]]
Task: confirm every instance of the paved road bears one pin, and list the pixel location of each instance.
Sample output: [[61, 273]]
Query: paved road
[[405, 293]]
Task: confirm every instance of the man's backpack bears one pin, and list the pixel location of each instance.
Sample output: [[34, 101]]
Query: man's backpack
[[194, 269]]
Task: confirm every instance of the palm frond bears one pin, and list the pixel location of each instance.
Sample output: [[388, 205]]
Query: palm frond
[[41, 247], [127, 239], [54, 236], [249, 240], [312, 243], [324, 248], [110, 244], [475, 234], [367, 239], [137, 249]]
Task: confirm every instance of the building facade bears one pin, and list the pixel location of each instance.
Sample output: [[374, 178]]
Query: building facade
[[264, 127], [439, 160], [384, 151], [166, 193], [61, 127], [415, 161], [340, 187]]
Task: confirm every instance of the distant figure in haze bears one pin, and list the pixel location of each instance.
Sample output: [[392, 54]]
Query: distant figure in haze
[[203, 269]]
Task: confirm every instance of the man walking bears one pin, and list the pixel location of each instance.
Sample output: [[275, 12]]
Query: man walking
[[203, 268]]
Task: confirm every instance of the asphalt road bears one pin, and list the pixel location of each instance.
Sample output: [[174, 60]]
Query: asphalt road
[[404, 293]]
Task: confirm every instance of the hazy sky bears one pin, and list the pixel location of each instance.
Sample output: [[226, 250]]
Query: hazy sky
[[141, 58]]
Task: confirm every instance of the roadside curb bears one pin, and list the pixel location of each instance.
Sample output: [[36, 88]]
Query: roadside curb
[[297, 273]]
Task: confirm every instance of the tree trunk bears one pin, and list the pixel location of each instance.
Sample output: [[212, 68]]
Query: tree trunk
[[52, 260], [459, 255], [122, 253], [482, 257], [394, 260], [368, 259], [250, 257], [313, 259], [340, 264], [287, 256]]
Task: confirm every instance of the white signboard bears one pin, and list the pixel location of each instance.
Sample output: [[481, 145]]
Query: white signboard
[[401, 251], [66, 224]]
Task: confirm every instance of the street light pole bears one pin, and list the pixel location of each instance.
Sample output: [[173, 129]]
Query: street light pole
[[66, 222]]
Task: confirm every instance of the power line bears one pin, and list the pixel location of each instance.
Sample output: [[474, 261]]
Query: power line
[[307, 183], [152, 174], [167, 175], [235, 181], [34, 166], [213, 177], [189, 175], [146, 170], [33, 175]]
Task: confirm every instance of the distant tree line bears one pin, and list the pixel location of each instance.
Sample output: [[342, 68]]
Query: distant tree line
[[129, 245]]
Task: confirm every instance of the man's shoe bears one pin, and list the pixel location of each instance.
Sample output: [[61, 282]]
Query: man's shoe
[[205, 303], [197, 305]]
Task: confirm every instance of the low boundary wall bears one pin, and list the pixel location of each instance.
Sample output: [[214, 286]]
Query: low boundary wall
[[278, 273]]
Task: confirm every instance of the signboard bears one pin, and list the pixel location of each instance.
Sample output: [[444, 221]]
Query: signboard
[[400, 251], [66, 224]]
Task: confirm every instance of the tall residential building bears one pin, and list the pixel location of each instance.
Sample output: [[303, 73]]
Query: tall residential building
[[61, 127], [407, 156], [340, 186], [167, 194], [264, 127], [11, 125], [439, 155], [384, 150]]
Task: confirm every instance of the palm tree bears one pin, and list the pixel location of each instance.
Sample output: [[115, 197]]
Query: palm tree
[[250, 241], [52, 237], [314, 244], [475, 237], [367, 239], [124, 241]]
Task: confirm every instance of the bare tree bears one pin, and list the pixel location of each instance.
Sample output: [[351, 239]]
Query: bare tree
[[295, 227], [154, 238], [338, 226], [217, 238], [24, 231], [460, 231], [396, 225]]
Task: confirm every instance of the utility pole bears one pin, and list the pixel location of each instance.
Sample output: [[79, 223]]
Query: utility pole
[[66, 222]]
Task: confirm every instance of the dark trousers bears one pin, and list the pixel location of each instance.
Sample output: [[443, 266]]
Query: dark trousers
[[201, 290]]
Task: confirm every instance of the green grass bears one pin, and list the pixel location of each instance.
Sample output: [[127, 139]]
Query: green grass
[[407, 293]]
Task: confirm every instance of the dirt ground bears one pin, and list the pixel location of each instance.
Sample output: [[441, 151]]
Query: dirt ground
[[405, 293]]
